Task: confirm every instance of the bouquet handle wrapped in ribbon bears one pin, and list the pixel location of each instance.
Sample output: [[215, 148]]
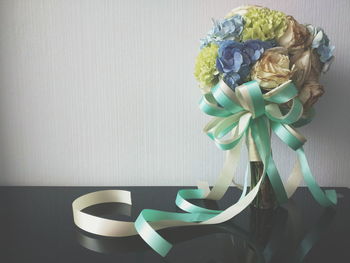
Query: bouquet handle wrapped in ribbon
[[253, 91]]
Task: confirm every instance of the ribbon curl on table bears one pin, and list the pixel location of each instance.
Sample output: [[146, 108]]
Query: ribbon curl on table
[[245, 112]]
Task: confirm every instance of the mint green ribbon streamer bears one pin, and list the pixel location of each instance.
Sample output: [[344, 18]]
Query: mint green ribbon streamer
[[196, 214], [231, 109], [327, 198], [262, 140]]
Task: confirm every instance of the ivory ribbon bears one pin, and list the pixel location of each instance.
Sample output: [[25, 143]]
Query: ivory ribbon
[[236, 115]]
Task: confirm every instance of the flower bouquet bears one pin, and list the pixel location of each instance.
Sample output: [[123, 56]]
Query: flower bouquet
[[259, 72], [272, 53]]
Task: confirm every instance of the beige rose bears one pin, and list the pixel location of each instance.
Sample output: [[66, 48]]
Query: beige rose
[[310, 93], [311, 90], [302, 62], [296, 38], [273, 68]]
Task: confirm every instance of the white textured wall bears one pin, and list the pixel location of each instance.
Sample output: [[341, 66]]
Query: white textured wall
[[102, 93]]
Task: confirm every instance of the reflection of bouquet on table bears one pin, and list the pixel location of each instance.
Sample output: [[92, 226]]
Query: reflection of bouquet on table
[[262, 63]]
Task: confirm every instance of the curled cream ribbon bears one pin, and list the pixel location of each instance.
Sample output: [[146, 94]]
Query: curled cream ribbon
[[236, 114]]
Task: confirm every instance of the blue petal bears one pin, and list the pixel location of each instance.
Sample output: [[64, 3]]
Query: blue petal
[[231, 80], [325, 52], [219, 65], [238, 60]]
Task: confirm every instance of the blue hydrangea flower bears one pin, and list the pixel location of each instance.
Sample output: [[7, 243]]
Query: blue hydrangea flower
[[229, 28], [255, 48], [232, 79], [321, 43], [235, 59], [325, 52], [231, 56]]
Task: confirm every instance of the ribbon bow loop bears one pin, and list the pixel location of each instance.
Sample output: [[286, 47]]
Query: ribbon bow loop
[[280, 105], [250, 97]]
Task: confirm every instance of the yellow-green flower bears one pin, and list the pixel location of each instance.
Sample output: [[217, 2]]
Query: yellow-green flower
[[205, 68], [263, 24]]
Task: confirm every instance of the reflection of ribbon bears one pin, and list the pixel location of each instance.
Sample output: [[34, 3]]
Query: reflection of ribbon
[[270, 224], [312, 236], [246, 111], [133, 244]]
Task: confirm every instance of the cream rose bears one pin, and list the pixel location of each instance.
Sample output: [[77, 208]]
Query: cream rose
[[311, 90], [310, 93], [296, 38], [302, 63], [273, 68]]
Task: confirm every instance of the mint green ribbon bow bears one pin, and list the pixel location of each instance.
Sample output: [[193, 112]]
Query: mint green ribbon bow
[[236, 114], [263, 110]]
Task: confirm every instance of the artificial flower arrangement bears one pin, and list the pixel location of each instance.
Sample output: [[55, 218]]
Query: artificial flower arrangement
[[256, 43], [259, 72], [258, 50]]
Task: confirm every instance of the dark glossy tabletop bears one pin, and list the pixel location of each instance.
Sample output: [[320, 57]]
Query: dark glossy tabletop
[[37, 226]]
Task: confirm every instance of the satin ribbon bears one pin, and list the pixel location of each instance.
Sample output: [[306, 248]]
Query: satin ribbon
[[287, 227], [236, 114]]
